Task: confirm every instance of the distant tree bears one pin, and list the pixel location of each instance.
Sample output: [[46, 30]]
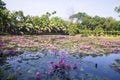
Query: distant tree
[[78, 15], [2, 5], [57, 24], [54, 12], [3, 16], [98, 30], [117, 9], [73, 29], [17, 23], [109, 24]]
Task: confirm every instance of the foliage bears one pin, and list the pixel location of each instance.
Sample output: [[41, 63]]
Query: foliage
[[98, 30], [85, 32], [58, 25], [73, 29], [117, 9], [1, 73], [12, 78], [81, 23], [62, 69]]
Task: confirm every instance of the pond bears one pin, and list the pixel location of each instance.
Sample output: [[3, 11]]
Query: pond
[[51, 57], [59, 65]]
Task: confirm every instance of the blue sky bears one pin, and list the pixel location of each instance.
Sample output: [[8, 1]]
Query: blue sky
[[65, 8]]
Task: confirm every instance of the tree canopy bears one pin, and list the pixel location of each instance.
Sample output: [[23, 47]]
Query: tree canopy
[[117, 9], [17, 23]]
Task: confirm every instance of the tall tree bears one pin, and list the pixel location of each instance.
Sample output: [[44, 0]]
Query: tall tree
[[57, 24], [3, 15], [117, 9]]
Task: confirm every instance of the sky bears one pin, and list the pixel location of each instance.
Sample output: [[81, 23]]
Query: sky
[[65, 8]]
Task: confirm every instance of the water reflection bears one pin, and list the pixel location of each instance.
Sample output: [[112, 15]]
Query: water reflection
[[103, 65]]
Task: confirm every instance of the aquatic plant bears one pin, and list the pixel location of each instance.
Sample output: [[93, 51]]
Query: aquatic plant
[[38, 75], [116, 49], [2, 46], [61, 69], [118, 68], [73, 44], [51, 69], [75, 65], [1, 72], [12, 77]]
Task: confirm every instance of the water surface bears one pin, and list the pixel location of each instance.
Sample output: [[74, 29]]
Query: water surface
[[24, 66]]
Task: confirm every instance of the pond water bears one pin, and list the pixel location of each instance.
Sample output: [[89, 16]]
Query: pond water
[[24, 66]]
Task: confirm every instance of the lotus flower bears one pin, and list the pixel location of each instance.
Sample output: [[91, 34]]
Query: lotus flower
[[118, 68], [117, 49], [2, 44], [38, 75], [11, 51], [62, 63], [75, 65], [68, 66], [55, 65], [51, 69], [55, 50], [51, 62]]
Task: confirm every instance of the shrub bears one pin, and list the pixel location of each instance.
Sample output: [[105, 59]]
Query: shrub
[[73, 29]]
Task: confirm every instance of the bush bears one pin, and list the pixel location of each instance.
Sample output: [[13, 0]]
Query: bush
[[85, 32], [73, 29], [98, 31]]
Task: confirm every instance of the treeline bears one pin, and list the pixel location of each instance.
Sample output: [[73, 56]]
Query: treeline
[[81, 23], [86, 25]]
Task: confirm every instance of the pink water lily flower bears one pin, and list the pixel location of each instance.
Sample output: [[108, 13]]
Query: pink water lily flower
[[118, 68], [117, 49], [2, 44], [55, 65], [55, 50], [62, 63], [68, 66], [11, 51], [38, 75], [75, 65], [51, 69], [51, 62]]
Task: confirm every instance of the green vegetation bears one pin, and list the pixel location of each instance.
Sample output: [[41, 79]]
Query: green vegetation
[[81, 23], [117, 9]]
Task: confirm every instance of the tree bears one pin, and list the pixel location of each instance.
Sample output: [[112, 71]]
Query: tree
[[109, 24], [44, 20], [3, 15], [79, 15], [58, 25], [98, 30], [117, 9], [73, 29], [17, 23]]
